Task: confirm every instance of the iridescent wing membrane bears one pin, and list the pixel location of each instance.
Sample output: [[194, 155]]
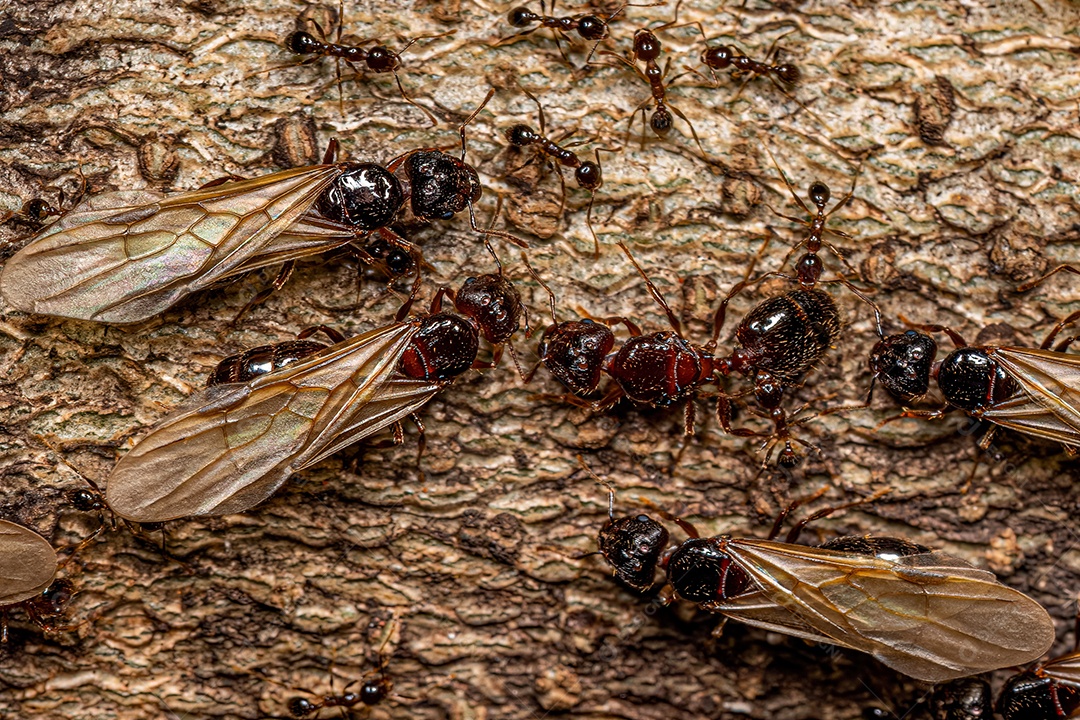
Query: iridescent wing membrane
[[1064, 669], [27, 563], [930, 616], [229, 447], [1049, 404], [126, 256]]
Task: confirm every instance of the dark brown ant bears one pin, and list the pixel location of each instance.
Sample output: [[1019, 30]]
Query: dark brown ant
[[647, 50], [377, 59], [783, 337], [44, 609], [657, 369], [722, 57], [372, 691], [1028, 390], [588, 26], [33, 214], [250, 364], [588, 174], [963, 699]]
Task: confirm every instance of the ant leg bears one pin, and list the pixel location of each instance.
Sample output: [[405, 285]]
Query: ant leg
[[790, 187], [335, 336], [404, 96], [1039, 280], [653, 290], [279, 282], [693, 132], [953, 335], [1061, 325], [796, 530]]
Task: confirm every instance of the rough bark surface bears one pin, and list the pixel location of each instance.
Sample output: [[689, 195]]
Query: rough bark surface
[[957, 121]]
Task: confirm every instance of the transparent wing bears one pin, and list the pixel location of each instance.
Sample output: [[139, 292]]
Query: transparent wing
[[931, 616], [1064, 669], [1049, 405], [229, 447], [27, 563], [125, 257]]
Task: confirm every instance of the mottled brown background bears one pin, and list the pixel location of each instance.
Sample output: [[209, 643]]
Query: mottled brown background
[[963, 118]]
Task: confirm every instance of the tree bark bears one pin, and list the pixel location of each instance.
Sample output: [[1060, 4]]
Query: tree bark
[[956, 122]]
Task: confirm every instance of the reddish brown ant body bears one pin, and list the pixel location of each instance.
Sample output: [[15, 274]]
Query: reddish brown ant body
[[588, 174], [657, 369], [588, 26], [647, 49], [33, 214]]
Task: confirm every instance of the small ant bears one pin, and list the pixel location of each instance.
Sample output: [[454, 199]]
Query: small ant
[[722, 57], [377, 59], [33, 214], [588, 26], [588, 174], [647, 50]]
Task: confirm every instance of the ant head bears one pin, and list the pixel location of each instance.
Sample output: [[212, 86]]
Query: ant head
[[443, 347], [521, 136], [301, 707], [902, 364], [366, 196], [302, 43], [591, 27], [86, 500], [574, 353], [719, 57], [521, 17], [38, 211], [494, 303], [819, 194], [54, 599], [589, 176], [646, 45], [374, 691], [789, 73], [442, 185], [632, 546], [381, 59], [661, 121]]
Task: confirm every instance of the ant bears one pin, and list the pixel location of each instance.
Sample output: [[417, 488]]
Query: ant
[[372, 692], [784, 336], [722, 57], [647, 50], [588, 26], [377, 59], [588, 174], [33, 214], [656, 369]]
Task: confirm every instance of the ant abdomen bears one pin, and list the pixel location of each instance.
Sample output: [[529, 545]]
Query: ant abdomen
[[589, 175], [788, 333], [1031, 695], [902, 364], [574, 351], [303, 43], [659, 369], [970, 379], [261, 360], [873, 546], [444, 347]]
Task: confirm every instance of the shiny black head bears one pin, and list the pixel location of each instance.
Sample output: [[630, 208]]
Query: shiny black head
[[365, 196], [819, 194], [632, 546], [303, 43], [700, 571], [494, 303], [591, 27], [382, 59], [444, 347], [574, 353], [970, 379], [300, 707], [902, 364], [521, 136], [962, 699], [441, 185], [646, 46], [718, 58]]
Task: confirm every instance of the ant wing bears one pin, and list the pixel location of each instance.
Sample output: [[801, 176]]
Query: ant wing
[[755, 608], [125, 257], [1064, 669], [1049, 405], [229, 447], [310, 235], [27, 563], [930, 616]]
